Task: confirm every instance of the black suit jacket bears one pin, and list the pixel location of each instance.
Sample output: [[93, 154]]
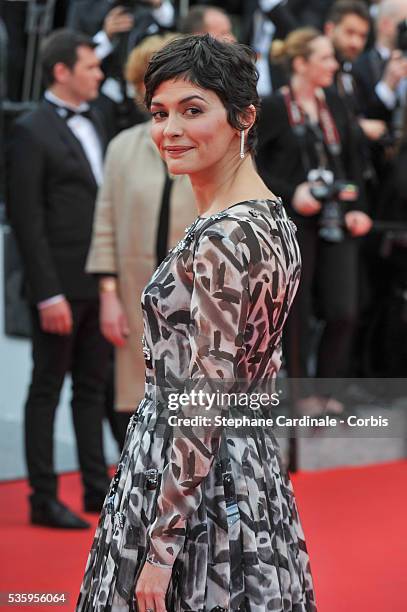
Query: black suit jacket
[[51, 199], [88, 16], [367, 71], [282, 18], [310, 12]]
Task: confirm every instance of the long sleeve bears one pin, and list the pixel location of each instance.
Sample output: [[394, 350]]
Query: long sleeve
[[102, 257], [367, 72], [280, 15], [219, 310], [26, 205]]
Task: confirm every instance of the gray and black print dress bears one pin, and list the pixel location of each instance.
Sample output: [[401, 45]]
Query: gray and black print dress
[[216, 507]]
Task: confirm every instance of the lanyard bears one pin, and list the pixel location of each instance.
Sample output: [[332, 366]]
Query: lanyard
[[326, 133]]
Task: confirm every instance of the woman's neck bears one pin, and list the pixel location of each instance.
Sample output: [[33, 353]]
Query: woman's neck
[[305, 95], [219, 187], [303, 89]]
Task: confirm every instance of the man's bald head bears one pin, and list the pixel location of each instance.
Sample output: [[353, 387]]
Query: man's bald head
[[204, 19], [389, 15]]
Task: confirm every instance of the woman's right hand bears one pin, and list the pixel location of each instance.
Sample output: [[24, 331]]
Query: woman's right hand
[[304, 202], [113, 321]]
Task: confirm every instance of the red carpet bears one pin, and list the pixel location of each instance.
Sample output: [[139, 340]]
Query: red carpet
[[354, 519]]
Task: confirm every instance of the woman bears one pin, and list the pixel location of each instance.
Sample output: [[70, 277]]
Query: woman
[[305, 138], [201, 518], [140, 213]]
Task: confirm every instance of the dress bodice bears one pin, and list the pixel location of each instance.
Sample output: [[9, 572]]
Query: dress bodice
[[215, 507], [216, 305], [214, 312]]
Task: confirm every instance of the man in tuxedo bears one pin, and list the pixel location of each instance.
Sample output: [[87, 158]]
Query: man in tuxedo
[[55, 166], [381, 70], [367, 80], [266, 20], [348, 26], [117, 27]]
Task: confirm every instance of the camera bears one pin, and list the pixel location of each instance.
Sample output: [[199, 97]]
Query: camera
[[332, 194], [402, 36]]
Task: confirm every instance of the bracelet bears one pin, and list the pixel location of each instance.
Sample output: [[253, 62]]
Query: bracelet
[[108, 285], [158, 564]]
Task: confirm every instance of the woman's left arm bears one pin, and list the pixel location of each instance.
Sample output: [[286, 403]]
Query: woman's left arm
[[219, 310]]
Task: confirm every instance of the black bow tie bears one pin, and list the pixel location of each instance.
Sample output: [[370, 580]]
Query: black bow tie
[[70, 113], [67, 113]]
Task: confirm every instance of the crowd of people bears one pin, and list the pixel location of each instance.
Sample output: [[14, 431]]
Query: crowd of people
[[94, 209]]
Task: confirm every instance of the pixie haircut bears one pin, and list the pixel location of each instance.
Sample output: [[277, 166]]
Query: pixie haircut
[[227, 69]]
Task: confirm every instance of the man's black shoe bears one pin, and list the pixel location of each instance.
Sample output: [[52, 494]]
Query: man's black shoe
[[93, 504], [50, 512]]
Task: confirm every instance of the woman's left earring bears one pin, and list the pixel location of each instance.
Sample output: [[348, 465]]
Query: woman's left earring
[[242, 153]]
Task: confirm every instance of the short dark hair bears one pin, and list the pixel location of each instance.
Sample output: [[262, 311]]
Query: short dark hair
[[194, 20], [228, 69], [62, 47], [342, 8]]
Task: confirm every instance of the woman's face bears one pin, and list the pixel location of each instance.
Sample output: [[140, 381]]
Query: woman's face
[[320, 66], [190, 127]]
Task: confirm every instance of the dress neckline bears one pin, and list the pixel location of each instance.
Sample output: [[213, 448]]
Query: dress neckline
[[219, 212]]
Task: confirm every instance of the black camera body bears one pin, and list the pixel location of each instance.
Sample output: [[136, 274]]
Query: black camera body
[[332, 194], [401, 42]]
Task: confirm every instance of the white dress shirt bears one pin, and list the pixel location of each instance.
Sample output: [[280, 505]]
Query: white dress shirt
[[263, 33], [85, 132]]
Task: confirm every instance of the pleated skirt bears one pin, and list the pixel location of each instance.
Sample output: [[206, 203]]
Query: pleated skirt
[[256, 563]]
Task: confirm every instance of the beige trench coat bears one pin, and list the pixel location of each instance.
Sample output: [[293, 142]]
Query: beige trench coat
[[124, 238]]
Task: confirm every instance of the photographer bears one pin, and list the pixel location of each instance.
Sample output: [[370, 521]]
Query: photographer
[[117, 26], [380, 71], [307, 155]]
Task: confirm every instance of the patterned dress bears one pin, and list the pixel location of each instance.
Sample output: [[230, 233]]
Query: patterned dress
[[215, 506]]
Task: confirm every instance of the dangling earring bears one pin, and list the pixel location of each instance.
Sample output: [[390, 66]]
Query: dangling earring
[[242, 153]]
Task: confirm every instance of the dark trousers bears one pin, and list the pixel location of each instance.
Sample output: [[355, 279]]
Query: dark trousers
[[85, 353], [118, 421], [329, 290]]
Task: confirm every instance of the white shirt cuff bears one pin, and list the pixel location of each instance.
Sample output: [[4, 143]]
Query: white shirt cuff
[[164, 14], [386, 95], [269, 5], [104, 46], [55, 299]]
